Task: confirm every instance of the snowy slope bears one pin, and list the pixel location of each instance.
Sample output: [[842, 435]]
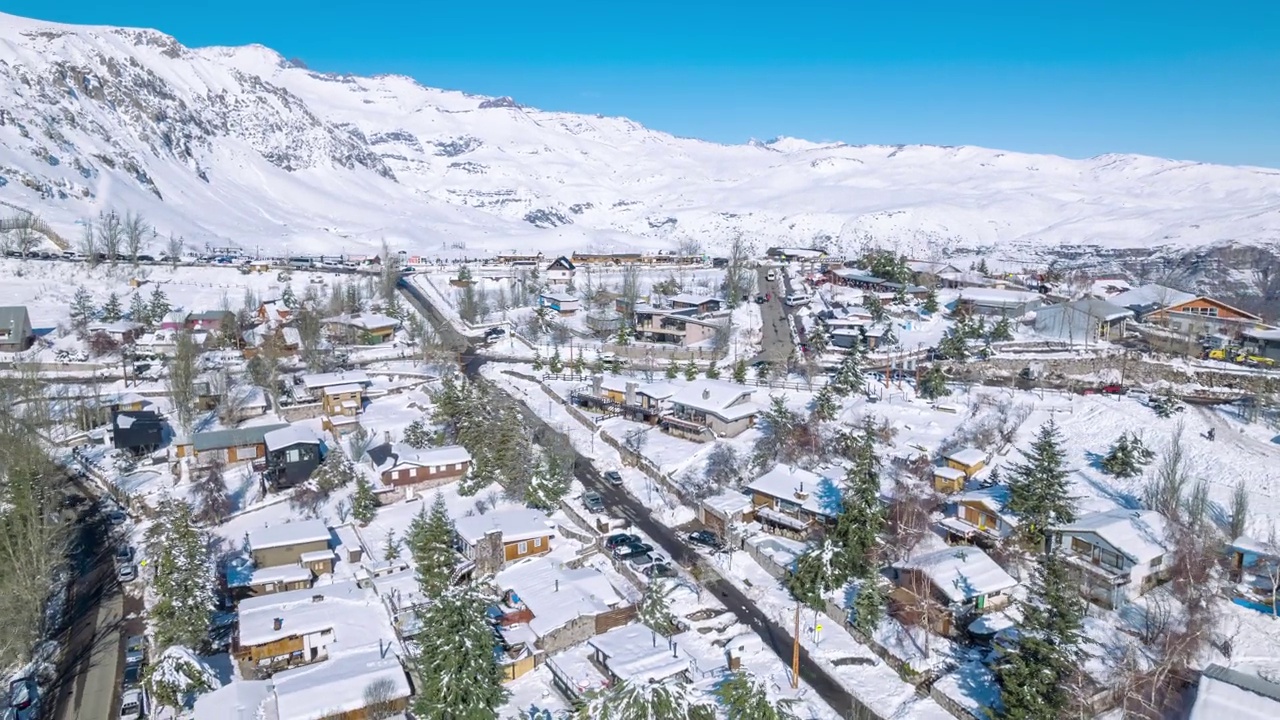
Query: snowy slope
[[236, 144]]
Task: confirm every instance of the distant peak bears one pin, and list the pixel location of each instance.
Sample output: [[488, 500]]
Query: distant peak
[[500, 102]]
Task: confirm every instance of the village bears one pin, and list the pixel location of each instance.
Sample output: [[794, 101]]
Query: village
[[786, 483]]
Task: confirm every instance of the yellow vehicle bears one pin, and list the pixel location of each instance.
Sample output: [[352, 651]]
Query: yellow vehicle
[[1236, 355]]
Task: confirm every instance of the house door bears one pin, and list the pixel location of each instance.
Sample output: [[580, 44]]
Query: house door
[[982, 601]]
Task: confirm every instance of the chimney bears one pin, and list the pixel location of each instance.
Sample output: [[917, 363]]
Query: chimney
[[277, 623], [800, 492], [386, 436], [706, 393]]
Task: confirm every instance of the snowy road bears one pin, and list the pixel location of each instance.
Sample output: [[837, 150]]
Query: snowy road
[[776, 344]]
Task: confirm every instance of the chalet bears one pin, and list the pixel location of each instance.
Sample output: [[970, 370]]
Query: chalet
[[969, 460], [137, 431], [209, 320], [1262, 343], [700, 303], [273, 312], [337, 689], [315, 383], [1206, 316], [1083, 321], [551, 606], [674, 327], [957, 582], [362, 328], [346, 399], [16, 334], [724, 509], [997, 303], [948, 480], [1146, 299], [498, 537], [1236, 694], [563, 303], [286, 543], [405, 469], [293, 454], [560, 271], [710, 409], [287, 341], [1118, 554], [615, 395], [794, 500], [248, 401], [228, 446], [979, 516], [122, 331], [924, 272], [638, 654], [288, 629], [854, 278], [279, 578]]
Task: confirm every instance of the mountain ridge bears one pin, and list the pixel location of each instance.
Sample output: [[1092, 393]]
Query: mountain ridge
[[238, 144]]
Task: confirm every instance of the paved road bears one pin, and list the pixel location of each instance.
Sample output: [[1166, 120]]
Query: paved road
[[776, 343]]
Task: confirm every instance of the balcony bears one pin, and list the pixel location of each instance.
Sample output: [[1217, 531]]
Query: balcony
[[1095, 570]]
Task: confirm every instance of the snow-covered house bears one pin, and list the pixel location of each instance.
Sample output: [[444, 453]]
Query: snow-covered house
[[674, 327], [958, 581], [969, 460], [1146, 299], [699, 303], [364, 328], [794, 500], [305, 626], [122, 331], [501, 536], [639, 654], [708, 409], [1118, 554], [1084, 321], [16, 334], [287, 542], [315, 383], [338, 688], [402, 469], [561, 271], [1232, 694], [723, 509], [556, 606], [980, 515], [997, 303], [238, 700], [561, 302], [293, 454]]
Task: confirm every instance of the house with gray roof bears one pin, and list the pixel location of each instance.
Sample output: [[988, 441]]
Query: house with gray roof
[[1084, 321], [15, 329], [228, 446]]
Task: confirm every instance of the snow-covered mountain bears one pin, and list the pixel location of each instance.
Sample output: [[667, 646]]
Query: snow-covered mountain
[[238, 145]]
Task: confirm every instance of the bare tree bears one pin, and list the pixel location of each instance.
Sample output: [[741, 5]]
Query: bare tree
[[135, 231], [25, 239], [89, 243], [183, 372], [907, 522], [635, 440], [1239, 511], [630, 293], [173, 248], [380, 701], [234, 399], [737, 276], [110, 234], [1164, 492], [212, 501]]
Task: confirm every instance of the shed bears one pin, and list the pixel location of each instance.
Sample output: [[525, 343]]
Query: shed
[[969, 459]]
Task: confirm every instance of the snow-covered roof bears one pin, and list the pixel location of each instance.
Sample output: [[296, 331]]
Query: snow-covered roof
[[337, 685], [637, 653], [1224, 693], [993, 498], [728, 503], [949, 473], [354, 614], [292, 336], [969, 456], [444, 455], [961, 573], [517, 524], [559, 297], [1272, 335], [997, 297], [658, 390], [927, 266], [1151, 294], [290, 435], [316, 556], [718, 398], [1141, 535], [289, 533], [821, 494], [364, 321], [557, 594], [1100, 309], [250, 395], [1246, 544], [116, 326], [343, 389], [279, 574], [320, 380], [238, 700], [690, 299]]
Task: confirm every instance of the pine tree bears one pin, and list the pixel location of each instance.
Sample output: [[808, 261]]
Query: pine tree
[[861, 516], [646, 701], [740, 372], [691, 370], [868, 605], [624, 335], [655, 608], [933, 383], [433, 550], [930, 304], [763, 369], [537, 361], [184, 577], [742, 696], [111, 310], [713, 372], [815, 575], [1121, 461], [81, 309], [288, 299], [138, 309], [417, 436], [1002, 331], [158, 305], [1038, 488], [550, 482], [392, 308], [556, 364], [456, 661], [579, 364], [871, 301], [848, 378], [824, 404], [391, 547], [953, 345], [982, 266], [819, 339], [1035, 677], [364, 505]]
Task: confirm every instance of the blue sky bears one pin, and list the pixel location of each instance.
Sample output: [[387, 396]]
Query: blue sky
[[1197, 81]]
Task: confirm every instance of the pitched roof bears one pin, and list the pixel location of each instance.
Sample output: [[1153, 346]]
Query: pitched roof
[[967, 456], [996, 297], [637, 653], [558, 594], [1227, 693], [320, 380], [1150, 294], [1100, 309], [288, 533], [559, 297], [822, 494], [562, 262], [717, 397], [252, 699], [364, 321], [516, 524], [1141, 535], [336, 687], [691, 299], [236, 437], [290, 435], [993, 498], [1219, 303], [961, 573]]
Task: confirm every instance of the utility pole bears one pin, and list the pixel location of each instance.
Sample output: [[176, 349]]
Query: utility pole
[[795, 652]]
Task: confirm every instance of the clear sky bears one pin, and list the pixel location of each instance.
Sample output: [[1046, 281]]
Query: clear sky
[[1190, 80]]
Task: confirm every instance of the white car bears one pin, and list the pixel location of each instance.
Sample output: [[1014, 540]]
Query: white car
[[771, 276], [133, 704]]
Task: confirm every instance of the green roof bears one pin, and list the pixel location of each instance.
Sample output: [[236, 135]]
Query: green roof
[[238, 437]]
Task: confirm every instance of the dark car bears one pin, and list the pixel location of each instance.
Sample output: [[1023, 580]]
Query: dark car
[[592, 501], [630, 549], [132, 676], [659, 570], [116, 517], [620, 539], [613, 476], [146, 258], [759, 299], [706, 538]]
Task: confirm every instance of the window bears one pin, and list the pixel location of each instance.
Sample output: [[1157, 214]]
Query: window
[[1157, 561], [437, 468], [537, 542], [395, 474], [522, 548], [1110, 559], [1081, 546], [413, 472], [293, 455]]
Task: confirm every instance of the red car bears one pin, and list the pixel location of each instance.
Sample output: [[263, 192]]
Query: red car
[[1115, 389]]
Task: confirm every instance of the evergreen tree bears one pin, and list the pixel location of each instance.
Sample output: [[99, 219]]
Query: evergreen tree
[[953, 345], [1121, 460], [861, 516], [1038, 488], [138, 311], [364, 505], [456, 661], [645, 701], [824, 404], [556, 364], [691, 370], [1035, 677], [930, 304], [184, 577], [537, 361], [982, 266], [158, 305], [763, 369], [742, 696], [417, 435], [933, 383], [740, 372], [889, 338], [579, 364], [815, 575], [81, 309], [335, 471], [1002, 331], [391, 547], [624, 335], [848, 378], [287, 298], [433, 550], [392, 307], [713, 372], [868, 605], [111, 310], [655, 607], [550, 482], [819, 340], [597, 366], [871, 301]]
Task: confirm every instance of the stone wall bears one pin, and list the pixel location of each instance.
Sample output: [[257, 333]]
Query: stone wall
[[1131, 368]]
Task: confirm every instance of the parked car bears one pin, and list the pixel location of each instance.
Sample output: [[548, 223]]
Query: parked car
[[658, 570], [127, 573], [771, 276], [124, 555], [636, 548], [620, 539], [24, 697], [1115, 389], [132, 677], [759, 299], [133, 704], [494, 333], [613, 476], [592, 501], [135, 650], [640, 561], [706, 538]]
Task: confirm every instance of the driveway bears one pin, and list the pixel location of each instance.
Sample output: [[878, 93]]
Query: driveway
[[776, 343]]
